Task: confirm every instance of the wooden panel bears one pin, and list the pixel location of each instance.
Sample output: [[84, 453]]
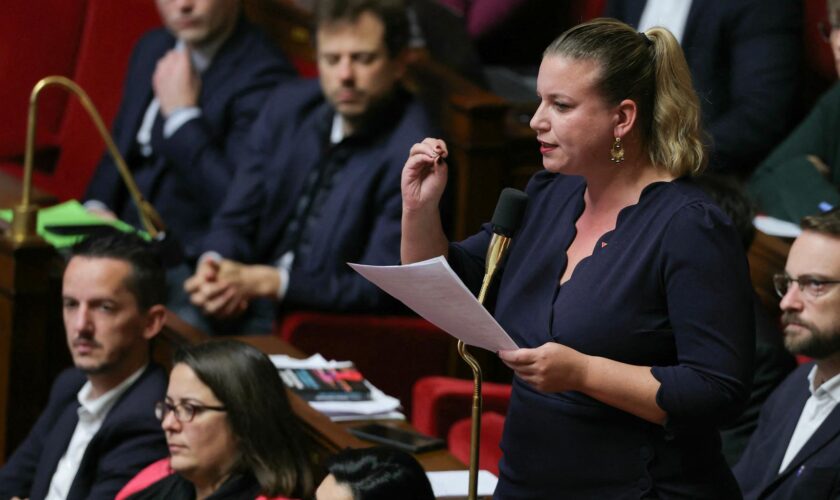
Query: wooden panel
[[11, 191], [32, 345], [767, 256]]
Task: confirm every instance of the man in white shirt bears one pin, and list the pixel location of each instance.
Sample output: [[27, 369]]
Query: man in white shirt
[[99, 429], [795, 452]]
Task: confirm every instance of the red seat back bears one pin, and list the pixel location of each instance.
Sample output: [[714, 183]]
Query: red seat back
[[489, 453], [111, 29], [818, 57], [582, 11], [392, 352], [439, 402], [37, 39]]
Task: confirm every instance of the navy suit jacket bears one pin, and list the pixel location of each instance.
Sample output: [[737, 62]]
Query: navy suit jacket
[[360, 220], [191, 170], [130, 438], [814, 473], [744, 57]]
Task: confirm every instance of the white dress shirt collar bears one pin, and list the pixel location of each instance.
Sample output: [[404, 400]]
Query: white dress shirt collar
[[817, 408], [92, 414]]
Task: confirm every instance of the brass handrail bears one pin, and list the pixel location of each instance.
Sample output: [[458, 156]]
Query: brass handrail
[[25, 215]]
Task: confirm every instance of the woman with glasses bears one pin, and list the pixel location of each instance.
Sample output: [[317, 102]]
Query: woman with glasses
[[802, 175], [230, 429]]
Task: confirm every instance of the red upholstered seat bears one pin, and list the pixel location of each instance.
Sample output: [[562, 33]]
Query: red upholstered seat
[[392, 352], [439, 402], [442, 406], [153, 473], [489, 452], [585, 10], [818, 57], [36, 39], [108, 36]]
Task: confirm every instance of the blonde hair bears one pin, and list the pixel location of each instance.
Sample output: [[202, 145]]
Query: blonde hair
[[650, 69]]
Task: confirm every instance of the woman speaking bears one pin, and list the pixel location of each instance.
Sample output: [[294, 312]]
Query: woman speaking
[[625, 287]]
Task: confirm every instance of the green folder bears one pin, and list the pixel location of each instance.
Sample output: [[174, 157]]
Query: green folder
[[69, 213]]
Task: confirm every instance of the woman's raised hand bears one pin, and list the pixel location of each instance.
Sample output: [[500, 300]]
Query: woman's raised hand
[[424, 175]]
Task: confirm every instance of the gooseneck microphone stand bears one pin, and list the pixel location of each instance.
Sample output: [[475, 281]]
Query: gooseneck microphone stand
[[506, 219], [25, 216]]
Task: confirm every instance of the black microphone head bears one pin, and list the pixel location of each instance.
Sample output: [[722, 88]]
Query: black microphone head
[[509, 211]]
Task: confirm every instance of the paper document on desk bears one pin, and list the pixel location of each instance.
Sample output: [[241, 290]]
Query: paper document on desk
[[455, 483], [776, 227], [379, 406], [433, 290]]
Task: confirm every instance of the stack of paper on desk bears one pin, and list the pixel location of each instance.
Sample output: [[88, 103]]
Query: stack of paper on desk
[[379, 406]]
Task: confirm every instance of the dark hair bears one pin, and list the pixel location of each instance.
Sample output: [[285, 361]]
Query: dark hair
[[730, 196], [825, 223], [272, 444], [392, 13], [147, 281], [650, 69], [380, 473]]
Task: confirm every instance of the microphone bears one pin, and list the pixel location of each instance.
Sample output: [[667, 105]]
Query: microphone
[[506, 220]]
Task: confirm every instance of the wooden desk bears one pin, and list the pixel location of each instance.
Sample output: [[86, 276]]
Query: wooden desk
[[11, 192], [333, 436], [32, 345]]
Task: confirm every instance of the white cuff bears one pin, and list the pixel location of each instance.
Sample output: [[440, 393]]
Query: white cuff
[[96, 205], [177, 118], [211, 255], [284, 283]]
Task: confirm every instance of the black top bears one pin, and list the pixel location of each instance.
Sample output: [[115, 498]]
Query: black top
[[669, 288], [175, 487]]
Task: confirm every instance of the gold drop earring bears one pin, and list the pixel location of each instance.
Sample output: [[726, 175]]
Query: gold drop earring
[[616, 151]]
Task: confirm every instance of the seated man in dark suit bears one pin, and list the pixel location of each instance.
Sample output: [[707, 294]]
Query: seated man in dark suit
[[795, 452], [321, 186], [191, 94], [744, 58], [99, 427]]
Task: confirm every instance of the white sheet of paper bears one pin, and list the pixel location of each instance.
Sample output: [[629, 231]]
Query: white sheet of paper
[[316, 361], [776, 227], [433, 290], [455, 483]]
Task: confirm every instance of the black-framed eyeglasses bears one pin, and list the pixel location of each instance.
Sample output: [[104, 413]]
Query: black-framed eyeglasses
[[825, 29], [810, 286], [184, 412]]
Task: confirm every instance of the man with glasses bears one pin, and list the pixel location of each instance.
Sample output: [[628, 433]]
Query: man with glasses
[[795, 452], [99, 427]]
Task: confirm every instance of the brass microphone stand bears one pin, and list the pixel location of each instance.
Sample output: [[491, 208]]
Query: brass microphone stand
[[25, 216], [495, 251]]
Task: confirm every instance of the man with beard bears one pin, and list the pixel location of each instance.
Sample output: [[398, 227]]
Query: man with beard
[[322, 184], [795, 452], [99, 428]]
